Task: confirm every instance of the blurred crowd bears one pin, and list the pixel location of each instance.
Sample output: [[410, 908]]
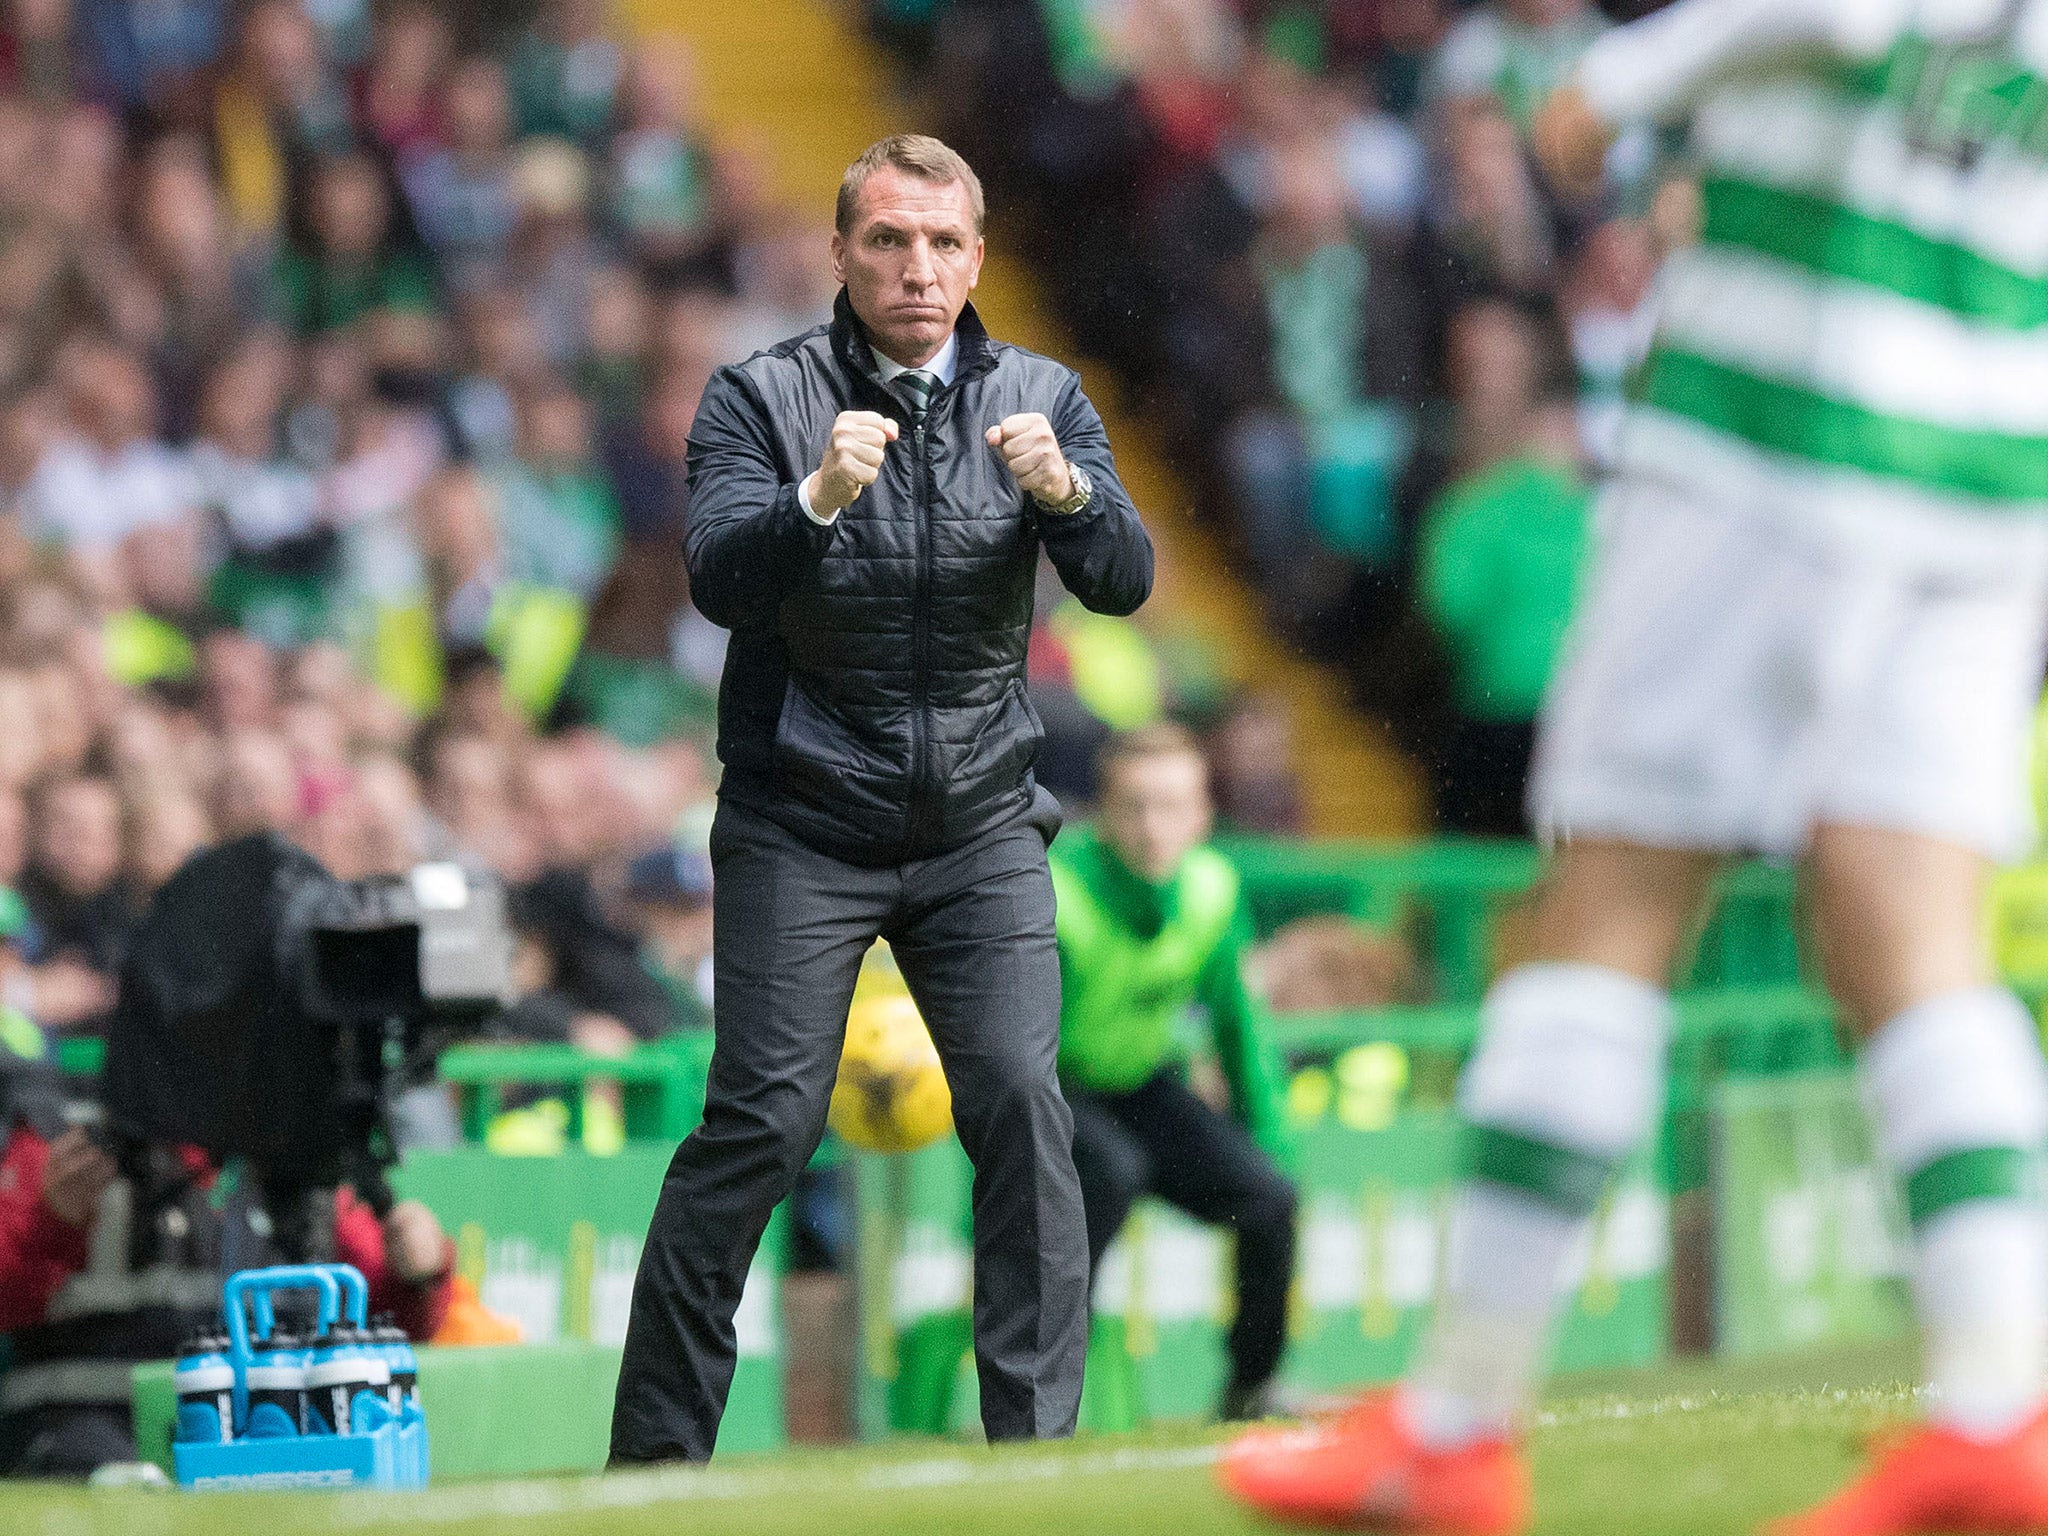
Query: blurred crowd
[[347, 356], [1386, 355], [348, 352]]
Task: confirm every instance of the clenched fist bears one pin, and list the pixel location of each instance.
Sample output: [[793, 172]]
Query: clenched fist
[[1032, 455], [852, 462]]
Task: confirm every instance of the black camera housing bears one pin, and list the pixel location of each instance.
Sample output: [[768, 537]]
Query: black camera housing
[[268, 1010]]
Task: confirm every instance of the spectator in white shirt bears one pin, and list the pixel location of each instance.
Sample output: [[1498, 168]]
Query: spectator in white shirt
[[107, 475]]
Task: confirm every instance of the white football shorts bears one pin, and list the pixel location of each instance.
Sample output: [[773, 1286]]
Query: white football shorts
[[1728, 686]]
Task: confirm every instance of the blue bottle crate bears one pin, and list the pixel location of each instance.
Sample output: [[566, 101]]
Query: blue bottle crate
[[394, 1455], [310, 1461]]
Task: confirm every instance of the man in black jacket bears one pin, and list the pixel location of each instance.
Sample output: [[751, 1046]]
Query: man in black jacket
[[868, 502]]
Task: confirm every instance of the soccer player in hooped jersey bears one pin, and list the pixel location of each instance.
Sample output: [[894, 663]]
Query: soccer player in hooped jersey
[[1815, 627]]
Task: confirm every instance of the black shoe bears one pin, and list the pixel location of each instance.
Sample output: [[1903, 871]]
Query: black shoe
[[1246, 1402]]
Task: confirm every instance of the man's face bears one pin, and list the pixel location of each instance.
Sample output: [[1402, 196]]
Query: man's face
[[80, 844], [909, 262], [258, 791], [557, 800], [1154, 810]]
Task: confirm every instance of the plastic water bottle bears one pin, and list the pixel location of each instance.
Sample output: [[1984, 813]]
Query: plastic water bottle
[[205, 1381], [347, 1384], [396, 1347], [277, 1387]]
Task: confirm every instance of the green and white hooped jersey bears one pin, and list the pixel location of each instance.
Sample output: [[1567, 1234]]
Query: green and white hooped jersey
[[1861, 336]]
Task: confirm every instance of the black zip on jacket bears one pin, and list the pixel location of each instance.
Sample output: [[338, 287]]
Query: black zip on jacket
[[873, 702]]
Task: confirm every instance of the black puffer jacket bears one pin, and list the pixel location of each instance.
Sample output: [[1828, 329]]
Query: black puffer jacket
[[873, 702]]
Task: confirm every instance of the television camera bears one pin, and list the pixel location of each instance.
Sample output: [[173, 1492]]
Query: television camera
[[272, 1012]]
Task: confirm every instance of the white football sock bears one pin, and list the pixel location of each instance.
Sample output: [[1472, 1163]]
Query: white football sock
[[1568, 1080], [1960, 1096], [1980, 1283], [1482, 1355]]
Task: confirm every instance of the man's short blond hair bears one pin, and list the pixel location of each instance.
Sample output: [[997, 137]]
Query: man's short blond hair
[[915, 154], [1167, 738]]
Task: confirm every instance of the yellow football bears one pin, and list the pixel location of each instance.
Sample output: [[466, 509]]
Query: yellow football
[[891, 1095]]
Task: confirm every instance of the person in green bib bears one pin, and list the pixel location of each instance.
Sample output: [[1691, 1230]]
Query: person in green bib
[[1152, 923]]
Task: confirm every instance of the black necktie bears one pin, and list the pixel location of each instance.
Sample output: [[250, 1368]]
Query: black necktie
[[917, 386]]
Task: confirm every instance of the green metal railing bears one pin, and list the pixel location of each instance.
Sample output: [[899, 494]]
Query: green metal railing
[[1724, 1016], [1449, 896], [1741, 1007], [661, 1086]]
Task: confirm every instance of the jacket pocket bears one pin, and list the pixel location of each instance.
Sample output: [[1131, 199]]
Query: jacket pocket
[[818, 749], [1034, 727], [1000, 744]]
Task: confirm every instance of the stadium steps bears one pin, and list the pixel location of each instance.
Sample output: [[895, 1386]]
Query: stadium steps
[[797, 81]]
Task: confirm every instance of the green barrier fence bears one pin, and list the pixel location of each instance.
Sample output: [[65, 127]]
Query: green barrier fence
[[1449, 896], [1809, 1250], [1373, 1210], [1377, 1170], [554, 1242], [661, 1086], [1728, 1032], [1810, 1237]]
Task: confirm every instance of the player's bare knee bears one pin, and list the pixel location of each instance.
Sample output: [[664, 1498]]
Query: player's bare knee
[[1874, 979], [1617, 906], [1896, 920]]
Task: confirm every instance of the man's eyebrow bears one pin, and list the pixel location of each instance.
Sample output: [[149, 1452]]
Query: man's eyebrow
[[880, 223]]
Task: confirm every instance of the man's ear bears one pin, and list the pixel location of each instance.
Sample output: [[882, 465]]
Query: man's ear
[[974, 273], [839, 258]]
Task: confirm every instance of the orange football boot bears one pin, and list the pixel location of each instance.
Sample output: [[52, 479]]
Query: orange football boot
[[1935, 1482], [1366, 1471]]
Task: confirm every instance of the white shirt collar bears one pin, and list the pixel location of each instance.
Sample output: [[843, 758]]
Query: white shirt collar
[[939, 367]]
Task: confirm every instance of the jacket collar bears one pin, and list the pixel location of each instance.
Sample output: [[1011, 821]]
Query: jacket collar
[[851, 346]]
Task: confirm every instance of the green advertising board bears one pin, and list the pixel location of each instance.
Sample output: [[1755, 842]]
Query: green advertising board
[[514, 1410], [1373, 1233], [553, 1242], [1809, 1236]]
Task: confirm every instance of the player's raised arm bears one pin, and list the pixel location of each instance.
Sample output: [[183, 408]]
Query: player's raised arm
[[1657, 69]]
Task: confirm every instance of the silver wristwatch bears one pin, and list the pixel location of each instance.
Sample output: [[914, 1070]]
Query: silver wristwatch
[[1084, 491]]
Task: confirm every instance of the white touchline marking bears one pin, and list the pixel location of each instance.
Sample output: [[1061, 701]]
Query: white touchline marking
[[634, 1490], [1587, 1410], [535, 1497]]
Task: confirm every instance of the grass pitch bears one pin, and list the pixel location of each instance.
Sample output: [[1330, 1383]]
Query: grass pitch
[[1690, 1450]]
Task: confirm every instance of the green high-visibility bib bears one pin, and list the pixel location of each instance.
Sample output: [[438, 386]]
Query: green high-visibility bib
[[1123, 992]]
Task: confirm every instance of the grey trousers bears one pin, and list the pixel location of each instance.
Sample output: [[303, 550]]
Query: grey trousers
[[972, 931]]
